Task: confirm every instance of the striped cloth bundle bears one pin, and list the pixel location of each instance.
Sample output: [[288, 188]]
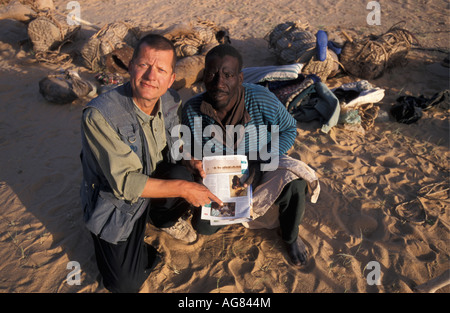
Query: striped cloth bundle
[[272, 73]]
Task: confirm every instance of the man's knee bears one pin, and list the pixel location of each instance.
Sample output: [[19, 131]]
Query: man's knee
[[299, 186], [293, 196]]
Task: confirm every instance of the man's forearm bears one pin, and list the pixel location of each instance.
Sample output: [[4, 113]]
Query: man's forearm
[[194, 193], [161, 188]]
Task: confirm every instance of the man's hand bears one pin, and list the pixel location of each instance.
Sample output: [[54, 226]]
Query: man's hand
[[195, 167], [199, 195]]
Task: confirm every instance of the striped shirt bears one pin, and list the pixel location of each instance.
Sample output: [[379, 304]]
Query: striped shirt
[[271, 129]]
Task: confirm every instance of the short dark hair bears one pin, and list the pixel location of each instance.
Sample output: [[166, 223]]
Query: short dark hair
[[223, 50], [158, 42]]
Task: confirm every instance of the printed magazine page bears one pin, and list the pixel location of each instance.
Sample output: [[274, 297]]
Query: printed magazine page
[[223, 174]]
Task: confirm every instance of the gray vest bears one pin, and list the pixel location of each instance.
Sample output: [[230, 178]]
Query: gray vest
[[105, 215]]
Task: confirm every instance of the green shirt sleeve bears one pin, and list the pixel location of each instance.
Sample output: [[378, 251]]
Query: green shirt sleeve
[[120, 165]]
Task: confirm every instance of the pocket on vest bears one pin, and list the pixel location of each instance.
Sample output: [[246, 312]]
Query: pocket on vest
[[128, 134], [112, 218], [125, 207]]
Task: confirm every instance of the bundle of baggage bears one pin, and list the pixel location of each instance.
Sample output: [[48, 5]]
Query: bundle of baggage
[[310, 58], [316, 56], [371, 56], [192, 42], [365, 58], [108, 52], [295, 42]]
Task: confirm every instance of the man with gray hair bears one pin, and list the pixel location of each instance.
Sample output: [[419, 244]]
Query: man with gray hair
[[128, 175]]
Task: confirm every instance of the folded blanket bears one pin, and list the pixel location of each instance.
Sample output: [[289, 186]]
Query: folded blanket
[[271, 73], [265, 213], [353, 95]]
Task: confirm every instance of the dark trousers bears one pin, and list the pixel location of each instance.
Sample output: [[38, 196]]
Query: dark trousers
[[125, 266], [291, 204]]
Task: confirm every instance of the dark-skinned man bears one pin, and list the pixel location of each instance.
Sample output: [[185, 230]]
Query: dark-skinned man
[[228, 101]]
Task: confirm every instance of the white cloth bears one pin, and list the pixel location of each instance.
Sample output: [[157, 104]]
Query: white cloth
[[367, 94], [265, 213], [272, 73]]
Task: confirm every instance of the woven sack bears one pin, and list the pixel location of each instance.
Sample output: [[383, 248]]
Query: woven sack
[[192, 42], [16, 11], [43, 5], [189, 38], [111, 37], [189, 70], [369, 57], [119, 60], [323, 69], [48, 32], [292, 42]]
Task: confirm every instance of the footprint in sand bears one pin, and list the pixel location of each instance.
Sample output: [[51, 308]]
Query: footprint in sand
[[364, 224], [388, 161]]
